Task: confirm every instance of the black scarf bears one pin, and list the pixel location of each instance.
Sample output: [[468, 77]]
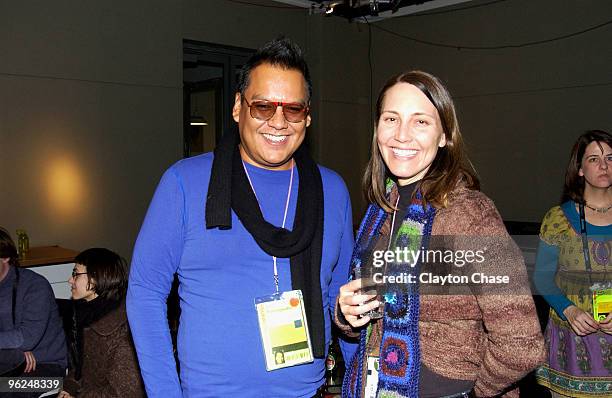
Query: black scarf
[[303, 244], [84, 314]]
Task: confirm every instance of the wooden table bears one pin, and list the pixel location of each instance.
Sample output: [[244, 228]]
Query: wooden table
[[47, 255]]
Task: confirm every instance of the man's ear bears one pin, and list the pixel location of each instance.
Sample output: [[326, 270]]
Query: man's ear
[[237, 107], [308, 120]]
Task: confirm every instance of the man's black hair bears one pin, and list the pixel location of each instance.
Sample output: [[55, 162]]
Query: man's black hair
[[280, 52], [8, 248]]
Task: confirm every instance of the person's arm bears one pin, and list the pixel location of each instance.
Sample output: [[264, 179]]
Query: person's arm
[[544, 278], [156, 257], [340, 276], [34, 310], [515, 344]]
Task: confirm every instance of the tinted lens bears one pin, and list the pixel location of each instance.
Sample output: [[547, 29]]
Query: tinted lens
[[294, 112], [262, 110]]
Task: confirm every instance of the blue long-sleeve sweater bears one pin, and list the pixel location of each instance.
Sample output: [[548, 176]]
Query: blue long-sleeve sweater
[[38, 327], [220, 273]]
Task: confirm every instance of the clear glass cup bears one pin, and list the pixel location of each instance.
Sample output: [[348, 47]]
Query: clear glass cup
[[368, 286]]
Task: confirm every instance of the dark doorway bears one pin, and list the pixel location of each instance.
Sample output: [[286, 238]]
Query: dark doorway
[[209, 79]]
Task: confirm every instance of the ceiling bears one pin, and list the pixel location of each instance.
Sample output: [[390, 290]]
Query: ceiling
[[376, 9]]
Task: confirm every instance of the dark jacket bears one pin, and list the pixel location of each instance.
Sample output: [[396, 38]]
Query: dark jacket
[[110, 367], [38, 327]]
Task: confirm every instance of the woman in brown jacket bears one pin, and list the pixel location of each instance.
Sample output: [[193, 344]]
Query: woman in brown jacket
[[103, 360], [458, 323]]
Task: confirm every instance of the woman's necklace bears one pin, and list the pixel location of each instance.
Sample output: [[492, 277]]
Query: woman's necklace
[[598, 209]]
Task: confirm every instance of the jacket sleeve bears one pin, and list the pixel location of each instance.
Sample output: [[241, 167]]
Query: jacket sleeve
[[39, 301], [514, 343], [155, 260], [342, 323]]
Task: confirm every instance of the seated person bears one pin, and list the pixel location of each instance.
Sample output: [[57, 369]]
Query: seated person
[[102, 358], [32, 340]]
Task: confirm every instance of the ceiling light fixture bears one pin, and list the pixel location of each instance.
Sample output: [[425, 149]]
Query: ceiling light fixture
[[197, 121]]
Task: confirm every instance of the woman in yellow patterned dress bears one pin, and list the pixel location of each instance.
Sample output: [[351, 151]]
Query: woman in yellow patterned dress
[[579, 347]]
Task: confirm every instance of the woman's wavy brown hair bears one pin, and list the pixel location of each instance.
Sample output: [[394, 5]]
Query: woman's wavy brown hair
[[451, 165], [574, 184]]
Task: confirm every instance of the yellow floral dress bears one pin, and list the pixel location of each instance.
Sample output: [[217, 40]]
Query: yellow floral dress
[[577, 366]]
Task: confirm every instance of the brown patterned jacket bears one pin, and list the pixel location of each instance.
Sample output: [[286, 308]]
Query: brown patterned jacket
[[492, 339], [110, 367]]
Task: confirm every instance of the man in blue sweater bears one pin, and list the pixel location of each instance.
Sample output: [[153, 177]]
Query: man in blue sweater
[[31, 332], [254, 218]]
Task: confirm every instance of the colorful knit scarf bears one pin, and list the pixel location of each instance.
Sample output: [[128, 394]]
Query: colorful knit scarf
[[400, 356]]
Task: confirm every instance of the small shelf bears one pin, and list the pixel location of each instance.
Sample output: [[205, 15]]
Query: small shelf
[[47, 255]]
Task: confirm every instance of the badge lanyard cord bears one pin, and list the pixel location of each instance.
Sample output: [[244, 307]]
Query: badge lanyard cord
[[393, 222], [585, 243], [284, 216], [14, 293]]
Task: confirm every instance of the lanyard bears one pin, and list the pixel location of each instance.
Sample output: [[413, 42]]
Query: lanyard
[[585, 243], [14, 294], [393, 222], [284, 216]]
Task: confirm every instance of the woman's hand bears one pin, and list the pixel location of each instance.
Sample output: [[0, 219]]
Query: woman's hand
[[64, 394], [30, 362], [580, 321], [606, 325], [352, 305]]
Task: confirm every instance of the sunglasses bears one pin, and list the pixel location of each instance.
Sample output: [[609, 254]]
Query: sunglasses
[[75, 274], [264, 110]]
